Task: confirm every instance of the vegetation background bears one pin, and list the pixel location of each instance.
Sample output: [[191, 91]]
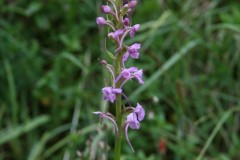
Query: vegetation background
[[51, 80]]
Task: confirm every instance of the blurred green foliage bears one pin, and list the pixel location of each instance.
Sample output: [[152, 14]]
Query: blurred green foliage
[[51, 79]]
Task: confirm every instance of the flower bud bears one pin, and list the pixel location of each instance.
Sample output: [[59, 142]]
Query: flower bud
[[106, 9], [132, 4], [126, 22], [100, 21]]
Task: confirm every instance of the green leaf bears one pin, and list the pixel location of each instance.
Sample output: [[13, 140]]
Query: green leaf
[[110, 55], [15, 132]]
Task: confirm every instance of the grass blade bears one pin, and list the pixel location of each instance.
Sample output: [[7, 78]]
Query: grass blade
[[214, 133], [177, 56], [15, 132]]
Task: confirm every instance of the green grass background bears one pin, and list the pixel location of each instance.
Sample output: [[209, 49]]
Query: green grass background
[[51, 80]]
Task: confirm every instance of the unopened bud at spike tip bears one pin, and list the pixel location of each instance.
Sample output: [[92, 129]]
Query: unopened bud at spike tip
[[106, 9]]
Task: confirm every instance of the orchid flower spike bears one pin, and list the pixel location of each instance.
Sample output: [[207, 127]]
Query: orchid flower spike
[[119, 23]]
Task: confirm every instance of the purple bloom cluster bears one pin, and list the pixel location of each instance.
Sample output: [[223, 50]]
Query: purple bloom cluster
[[120, 28]]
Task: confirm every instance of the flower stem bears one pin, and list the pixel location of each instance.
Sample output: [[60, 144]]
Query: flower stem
[[117, 67], [118, 140]]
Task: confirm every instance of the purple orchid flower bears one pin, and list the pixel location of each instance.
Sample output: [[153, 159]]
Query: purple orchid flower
[[132, 51], [129, 73], [109, 93], [115, 35], [133, 121], [134, 29]]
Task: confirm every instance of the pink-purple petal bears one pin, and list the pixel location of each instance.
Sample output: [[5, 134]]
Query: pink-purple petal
[[109, 93]]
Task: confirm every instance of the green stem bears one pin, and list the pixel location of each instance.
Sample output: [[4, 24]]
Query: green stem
[[118, 65], [118, 140]]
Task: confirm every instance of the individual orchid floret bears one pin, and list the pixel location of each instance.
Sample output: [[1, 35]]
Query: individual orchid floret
[[126, 21], [108, 116], [115, 35], [126, 73], [134, 29], [106, 9], [109, 93], [133, 121], [132, 51], [100, 21], [136, 116], [129, 73]]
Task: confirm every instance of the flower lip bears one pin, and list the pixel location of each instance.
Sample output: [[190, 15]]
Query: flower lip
[[133, 121], [134, 29], [138, 75], [115, 35], [109, 93], [140, 112], [136, 116], [133, 50]]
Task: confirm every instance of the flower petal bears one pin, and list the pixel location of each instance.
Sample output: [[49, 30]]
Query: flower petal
[[140, 112]]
